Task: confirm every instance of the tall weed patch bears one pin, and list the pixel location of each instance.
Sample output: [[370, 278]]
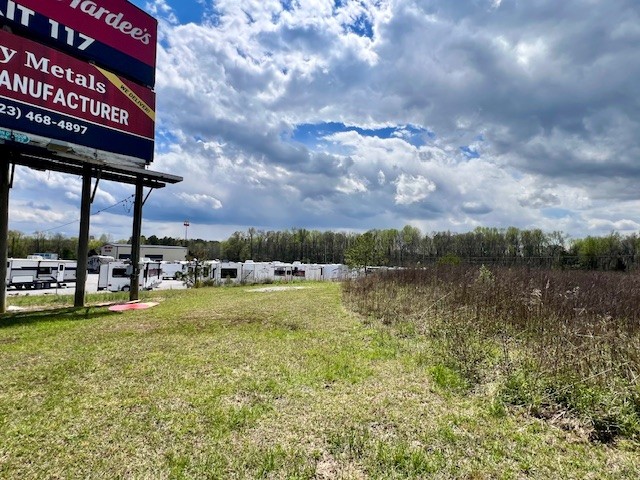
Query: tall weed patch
[[560, 343]]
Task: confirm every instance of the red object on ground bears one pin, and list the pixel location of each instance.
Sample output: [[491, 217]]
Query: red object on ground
[[132, 306]]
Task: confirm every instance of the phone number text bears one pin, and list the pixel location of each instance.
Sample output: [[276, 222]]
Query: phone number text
[[16, 112]]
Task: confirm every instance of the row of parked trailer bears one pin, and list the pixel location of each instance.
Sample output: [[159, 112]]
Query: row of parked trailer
[[37, 273], [262, 272], [114, 276]]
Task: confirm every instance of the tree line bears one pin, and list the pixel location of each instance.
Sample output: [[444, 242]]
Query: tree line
[[385, 247], [410, 247]]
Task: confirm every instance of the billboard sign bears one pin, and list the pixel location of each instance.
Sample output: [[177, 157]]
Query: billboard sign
[[47, 93], [114, 33]]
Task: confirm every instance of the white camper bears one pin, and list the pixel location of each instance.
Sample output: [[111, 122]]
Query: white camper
[[250, 272], [196, 271], [35, 273], [115, 276], [227, 272], [70, 270], [257, 272], [174, 270], [307, 271], [282, 271], [94, 262], [335, 272]]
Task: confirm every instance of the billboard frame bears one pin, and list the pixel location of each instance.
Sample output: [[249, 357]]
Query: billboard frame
[[13, 153]]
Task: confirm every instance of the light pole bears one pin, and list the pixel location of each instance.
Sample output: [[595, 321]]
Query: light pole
[[186, 228]]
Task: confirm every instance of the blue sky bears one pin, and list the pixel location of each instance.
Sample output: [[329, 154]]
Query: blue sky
[[186, 11], [360, 114]]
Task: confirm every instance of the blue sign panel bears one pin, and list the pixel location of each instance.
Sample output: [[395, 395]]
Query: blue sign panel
[[46, 123]]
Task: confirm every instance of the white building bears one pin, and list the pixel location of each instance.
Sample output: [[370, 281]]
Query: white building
[[167, 253]]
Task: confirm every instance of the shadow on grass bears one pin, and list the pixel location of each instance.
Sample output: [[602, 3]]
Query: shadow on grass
[[11, 319]]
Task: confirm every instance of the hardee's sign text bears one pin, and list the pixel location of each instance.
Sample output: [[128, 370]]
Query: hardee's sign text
[[113, 33]]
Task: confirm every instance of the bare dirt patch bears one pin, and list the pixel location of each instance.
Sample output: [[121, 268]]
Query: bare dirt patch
[[275, 289]]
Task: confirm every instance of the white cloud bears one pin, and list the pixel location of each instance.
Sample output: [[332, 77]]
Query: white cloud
[[200, 200], [42, 214], [624, 226], [410, 189], [161, 8], [351, 185], [540, 94]]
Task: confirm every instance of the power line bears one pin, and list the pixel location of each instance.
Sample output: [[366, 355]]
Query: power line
[[93, 213]]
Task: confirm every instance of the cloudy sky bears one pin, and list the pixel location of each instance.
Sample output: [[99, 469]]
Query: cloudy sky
[[360, 114]]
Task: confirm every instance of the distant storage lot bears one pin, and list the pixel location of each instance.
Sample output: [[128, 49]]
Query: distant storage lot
[[91, 287]]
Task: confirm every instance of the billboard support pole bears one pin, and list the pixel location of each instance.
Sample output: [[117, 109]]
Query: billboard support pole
[[135, 241], [83, 237], [4, 231]]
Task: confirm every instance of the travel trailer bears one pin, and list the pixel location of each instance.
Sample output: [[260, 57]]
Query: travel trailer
[[226, 272], [94, 262], [335, 272], [38, 273], [174, 270], [70, 270], [115, 276], [257, 272], [240, 272], [249, 272], [307, 271]]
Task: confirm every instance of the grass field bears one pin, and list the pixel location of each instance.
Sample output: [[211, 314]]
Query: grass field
[[237, 383]]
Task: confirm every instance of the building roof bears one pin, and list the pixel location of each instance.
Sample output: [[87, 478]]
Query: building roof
[[145, 246]]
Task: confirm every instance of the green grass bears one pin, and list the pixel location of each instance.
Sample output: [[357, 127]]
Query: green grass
[[230, 383]]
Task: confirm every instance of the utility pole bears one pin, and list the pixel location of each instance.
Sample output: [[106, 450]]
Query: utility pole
[[83, 237], [135, 242], [5, 185]]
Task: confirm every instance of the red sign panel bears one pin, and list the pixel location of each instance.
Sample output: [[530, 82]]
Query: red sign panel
[[57, 96], [115, 33], [117, 23]]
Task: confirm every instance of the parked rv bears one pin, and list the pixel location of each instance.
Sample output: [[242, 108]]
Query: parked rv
[[37, 273], [115, 276], [174, 270], [335, 272], [306, 271], [257, 272], [249, 272], [226, 272], [70, 270], [94, 262]]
